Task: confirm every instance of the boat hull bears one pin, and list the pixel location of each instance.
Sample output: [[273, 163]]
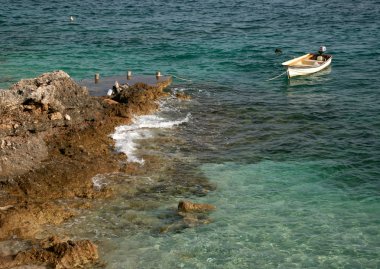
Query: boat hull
[[302, 71]]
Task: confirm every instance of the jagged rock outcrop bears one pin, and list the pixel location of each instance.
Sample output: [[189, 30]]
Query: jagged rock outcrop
[[36, 99], [55, 253], [54, 138], [25, 220], [140, 98], [30, 109]]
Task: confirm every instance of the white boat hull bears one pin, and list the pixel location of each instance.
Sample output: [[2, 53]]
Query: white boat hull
[[302, 66]]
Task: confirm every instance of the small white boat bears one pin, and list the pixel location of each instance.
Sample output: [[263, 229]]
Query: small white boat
[[308, 64]]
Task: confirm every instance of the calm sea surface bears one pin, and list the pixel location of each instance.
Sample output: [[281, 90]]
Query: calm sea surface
[[296, 163]]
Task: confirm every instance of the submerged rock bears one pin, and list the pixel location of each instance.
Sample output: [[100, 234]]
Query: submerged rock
[[189, 207], [182, 96], [189, 215]]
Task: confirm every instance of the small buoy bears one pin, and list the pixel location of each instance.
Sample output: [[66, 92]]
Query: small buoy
[[278, 51]]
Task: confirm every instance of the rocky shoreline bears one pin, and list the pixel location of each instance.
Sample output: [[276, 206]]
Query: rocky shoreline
[[54, 139]]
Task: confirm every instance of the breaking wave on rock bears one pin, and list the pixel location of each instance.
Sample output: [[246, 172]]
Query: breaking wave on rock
[[126, 136]]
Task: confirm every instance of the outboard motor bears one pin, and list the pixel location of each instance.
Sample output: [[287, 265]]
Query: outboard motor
[[321, 50]]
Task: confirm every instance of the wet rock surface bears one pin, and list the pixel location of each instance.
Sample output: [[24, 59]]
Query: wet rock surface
[[55, 153], [183, 96], [55, 253], [54, 138]]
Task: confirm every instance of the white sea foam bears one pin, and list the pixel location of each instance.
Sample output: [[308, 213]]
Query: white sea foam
[[126, 136]]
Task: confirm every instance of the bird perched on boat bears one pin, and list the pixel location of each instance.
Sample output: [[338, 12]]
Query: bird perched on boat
[[278, 51]]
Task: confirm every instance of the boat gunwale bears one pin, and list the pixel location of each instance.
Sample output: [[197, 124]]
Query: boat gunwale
[[322, 63], [289, 63]]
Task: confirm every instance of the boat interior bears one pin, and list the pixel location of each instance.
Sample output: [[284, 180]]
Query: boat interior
[[311, 60]]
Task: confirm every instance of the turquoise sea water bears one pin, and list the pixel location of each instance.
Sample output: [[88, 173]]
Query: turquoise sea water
[[296, 163]]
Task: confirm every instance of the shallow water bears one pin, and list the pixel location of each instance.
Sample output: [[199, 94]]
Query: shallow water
[[296, 163]]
